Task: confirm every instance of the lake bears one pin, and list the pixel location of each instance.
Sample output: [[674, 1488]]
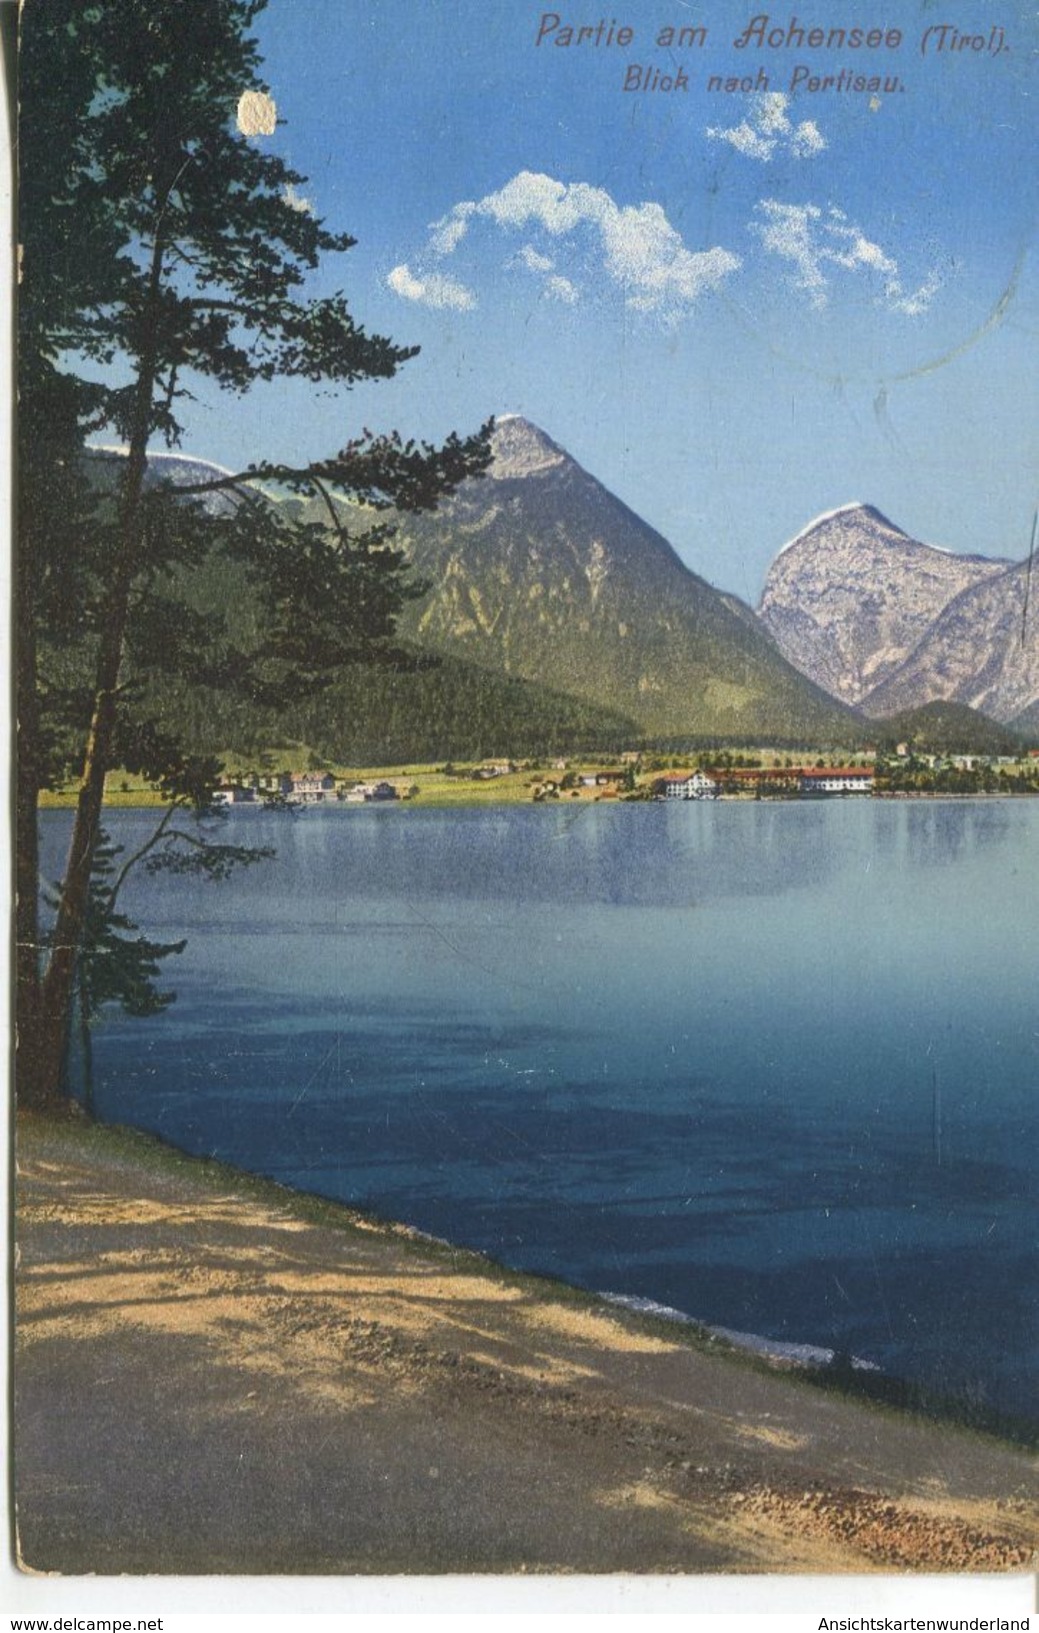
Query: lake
[[770, 1064]]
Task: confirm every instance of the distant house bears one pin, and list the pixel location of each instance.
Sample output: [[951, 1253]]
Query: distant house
[[310, 787], [847, 779], [365, 792], [233, 794], [601, 779], [686, 785]]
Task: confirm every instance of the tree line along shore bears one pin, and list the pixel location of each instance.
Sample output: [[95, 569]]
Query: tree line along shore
[[750, 773]]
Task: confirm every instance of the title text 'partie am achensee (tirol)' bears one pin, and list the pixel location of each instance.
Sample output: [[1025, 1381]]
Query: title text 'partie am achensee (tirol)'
[[874, 45]]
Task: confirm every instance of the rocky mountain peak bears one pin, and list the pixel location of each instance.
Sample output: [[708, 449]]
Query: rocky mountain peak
[[521, 449], [982, 651], [540, 572], [849, 597], [850, 523]]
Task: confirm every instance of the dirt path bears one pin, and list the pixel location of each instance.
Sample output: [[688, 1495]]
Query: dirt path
[[215, 1375]]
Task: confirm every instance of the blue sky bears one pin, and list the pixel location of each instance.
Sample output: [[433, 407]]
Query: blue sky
[[737, 310]]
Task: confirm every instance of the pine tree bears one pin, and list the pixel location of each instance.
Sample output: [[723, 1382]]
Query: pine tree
[[159, 244]]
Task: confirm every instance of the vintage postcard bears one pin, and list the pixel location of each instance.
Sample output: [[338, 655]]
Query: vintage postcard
[[527, 700]]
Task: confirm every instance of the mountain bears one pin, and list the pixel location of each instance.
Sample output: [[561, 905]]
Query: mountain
[[417, 707], [539, 572], [982, 649], [1026, 724], [422, 710], [558, 617], [555, 616], [182, 470], [849, 599], [947, 728]]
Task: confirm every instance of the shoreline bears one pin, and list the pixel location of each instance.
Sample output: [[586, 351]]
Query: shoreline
[[794, 1353], [430, 802], [395, 1404]]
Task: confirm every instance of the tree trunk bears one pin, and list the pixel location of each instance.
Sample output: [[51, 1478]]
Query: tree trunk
[[57, 989], [27, 849], [54, 1014]]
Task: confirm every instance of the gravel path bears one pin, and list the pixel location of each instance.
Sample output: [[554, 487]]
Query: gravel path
[[213, 1374]]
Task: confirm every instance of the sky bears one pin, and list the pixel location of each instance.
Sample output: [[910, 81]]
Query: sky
[[737, 304]]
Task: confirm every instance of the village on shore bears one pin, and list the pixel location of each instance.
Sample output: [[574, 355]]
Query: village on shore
[[635, 775]]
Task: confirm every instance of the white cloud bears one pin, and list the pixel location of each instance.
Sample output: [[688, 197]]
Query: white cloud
[[646, 255], [769, 130], [296, 201], [528, 257], [912, 305], [560, 289], [635, 246], [816, 241], [787, 231], [554, 286], [531, 197], [432, 290], [446, 234], [807, 140], [746, 140]]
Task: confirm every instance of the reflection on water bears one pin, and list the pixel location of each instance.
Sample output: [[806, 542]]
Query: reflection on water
[[932, 833], [691, 1052]]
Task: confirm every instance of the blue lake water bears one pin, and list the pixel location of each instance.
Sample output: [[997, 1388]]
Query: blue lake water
[[774, 1065]]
